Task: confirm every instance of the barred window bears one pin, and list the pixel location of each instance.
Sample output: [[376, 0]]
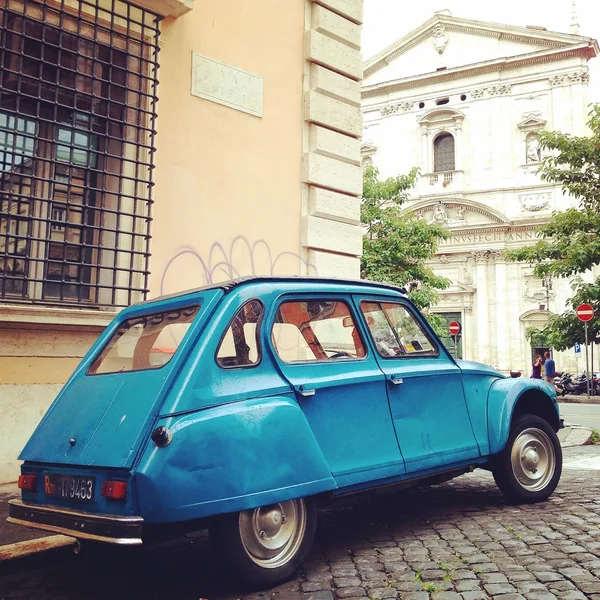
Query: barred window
[[77, 128], [443, 153]]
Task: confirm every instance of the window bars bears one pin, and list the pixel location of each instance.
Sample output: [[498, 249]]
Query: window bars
[[77, 128]]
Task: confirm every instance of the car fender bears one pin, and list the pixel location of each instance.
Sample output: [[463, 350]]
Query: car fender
[[231, 457], [504, 396]]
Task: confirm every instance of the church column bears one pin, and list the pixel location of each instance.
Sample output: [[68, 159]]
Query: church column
[[481, 303], [425, 137], [501, 316], [458, 149]]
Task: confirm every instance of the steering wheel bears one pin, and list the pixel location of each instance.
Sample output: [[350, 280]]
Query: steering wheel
[[341, 355]]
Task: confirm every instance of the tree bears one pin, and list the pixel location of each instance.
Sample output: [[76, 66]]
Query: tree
[[570, 242], [395, 246]]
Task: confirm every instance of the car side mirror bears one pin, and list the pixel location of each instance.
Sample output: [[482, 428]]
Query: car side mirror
[[348, 322]]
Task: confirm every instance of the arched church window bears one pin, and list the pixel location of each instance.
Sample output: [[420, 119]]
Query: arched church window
[[443, 153]]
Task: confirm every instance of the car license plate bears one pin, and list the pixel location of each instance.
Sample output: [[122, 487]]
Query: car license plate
[[70, 487]]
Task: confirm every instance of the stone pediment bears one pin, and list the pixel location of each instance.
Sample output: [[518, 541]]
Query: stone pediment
[[447, 42], [456, 214]]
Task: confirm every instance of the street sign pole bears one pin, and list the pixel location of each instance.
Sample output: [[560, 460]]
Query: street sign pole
[[587, 364], [585, 313]]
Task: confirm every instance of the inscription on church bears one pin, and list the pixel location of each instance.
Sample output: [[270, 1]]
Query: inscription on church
[[486, 238]]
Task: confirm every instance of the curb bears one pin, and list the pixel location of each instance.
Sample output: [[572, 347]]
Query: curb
[[21, 549], [578, 399], [575, 435]]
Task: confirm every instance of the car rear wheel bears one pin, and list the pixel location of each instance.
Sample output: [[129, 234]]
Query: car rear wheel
[[529, 467], [266, 545]]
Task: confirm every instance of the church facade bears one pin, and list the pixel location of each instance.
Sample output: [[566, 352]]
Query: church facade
[[463, 101]]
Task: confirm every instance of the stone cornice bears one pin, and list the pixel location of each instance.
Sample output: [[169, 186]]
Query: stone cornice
[[502, 64], [166, 8]]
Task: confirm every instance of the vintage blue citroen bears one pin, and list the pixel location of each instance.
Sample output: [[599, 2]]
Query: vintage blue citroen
[[241, 405]]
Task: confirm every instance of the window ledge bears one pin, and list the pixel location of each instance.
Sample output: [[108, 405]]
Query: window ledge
[[166, 8], [34, 317]]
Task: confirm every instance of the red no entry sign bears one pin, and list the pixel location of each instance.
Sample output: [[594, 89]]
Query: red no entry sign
[[454, 328], [585, 312]]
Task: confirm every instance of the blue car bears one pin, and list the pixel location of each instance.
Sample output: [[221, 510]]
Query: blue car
[[241, 405]]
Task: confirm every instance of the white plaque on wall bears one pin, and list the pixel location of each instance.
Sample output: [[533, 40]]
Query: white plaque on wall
[[218, 82]]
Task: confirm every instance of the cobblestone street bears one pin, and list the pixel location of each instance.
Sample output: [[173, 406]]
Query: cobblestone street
[[459, 540]]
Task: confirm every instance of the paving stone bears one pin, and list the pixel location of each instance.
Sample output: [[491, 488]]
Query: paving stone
[[346, 582], [475, 595], [497, 589], [350, 592]]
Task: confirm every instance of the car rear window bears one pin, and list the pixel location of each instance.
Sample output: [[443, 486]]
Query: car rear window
[[145, 342]]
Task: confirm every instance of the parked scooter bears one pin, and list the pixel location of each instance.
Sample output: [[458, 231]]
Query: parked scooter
[[568, 384]]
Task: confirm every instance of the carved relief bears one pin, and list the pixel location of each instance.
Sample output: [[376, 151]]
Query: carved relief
[[443, 258], [534, 202], [446, 218], [494, 90], [392, 109], [439, 37], [499, 90], [579, 76], [532, 114], [536, 291], [480, 256], [534, 150]]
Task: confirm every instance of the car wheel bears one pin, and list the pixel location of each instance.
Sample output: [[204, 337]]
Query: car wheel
[[266, 545], [529, 467]]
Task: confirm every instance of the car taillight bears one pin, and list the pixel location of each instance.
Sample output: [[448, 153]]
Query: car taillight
[[28, 482], [116, 490]]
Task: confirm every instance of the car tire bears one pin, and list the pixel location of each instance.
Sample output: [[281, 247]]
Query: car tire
[[266, 545], [530, 466]]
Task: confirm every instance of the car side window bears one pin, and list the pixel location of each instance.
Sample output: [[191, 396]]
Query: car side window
[[316, 330], [240, 346], [395, 330]]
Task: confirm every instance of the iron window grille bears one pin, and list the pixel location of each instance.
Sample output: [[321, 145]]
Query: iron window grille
[[77, 130], [443, 153]]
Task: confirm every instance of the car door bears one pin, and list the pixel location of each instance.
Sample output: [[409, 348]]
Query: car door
[[320, 350], [424, 387]]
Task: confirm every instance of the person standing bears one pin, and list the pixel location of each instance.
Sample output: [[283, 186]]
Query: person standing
[[549, 367], [536, 371]]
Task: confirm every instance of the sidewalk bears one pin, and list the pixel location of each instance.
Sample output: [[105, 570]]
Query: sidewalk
[[18, 541]]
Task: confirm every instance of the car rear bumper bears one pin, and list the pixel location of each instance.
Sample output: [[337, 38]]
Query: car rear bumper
[[112, 529]]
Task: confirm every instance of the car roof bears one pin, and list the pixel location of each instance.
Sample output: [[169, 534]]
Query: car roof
[[228, 286]]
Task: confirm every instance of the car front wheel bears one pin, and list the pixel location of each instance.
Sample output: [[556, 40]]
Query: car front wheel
[[529, 467], [266, 545]]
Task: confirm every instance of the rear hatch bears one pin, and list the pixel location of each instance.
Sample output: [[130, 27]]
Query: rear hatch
[[106, 409]]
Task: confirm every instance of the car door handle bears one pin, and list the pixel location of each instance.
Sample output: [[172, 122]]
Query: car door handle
[[306, 392], [396, 380]]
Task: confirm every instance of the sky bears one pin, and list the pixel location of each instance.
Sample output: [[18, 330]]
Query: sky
[[386, 21]]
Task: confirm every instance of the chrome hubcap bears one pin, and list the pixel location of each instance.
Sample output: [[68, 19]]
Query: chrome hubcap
[[533, 459], [272, 534]]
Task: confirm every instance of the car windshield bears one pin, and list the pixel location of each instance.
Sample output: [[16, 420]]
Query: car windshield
[[145, 342]]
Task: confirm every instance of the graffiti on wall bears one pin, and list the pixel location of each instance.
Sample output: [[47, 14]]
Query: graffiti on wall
[[241, 259]]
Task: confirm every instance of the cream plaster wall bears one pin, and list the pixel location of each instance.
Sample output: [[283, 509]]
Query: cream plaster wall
[[222, 174]]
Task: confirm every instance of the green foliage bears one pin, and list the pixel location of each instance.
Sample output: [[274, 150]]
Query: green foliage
[[595, 437], [396, 247], [570, 242]]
